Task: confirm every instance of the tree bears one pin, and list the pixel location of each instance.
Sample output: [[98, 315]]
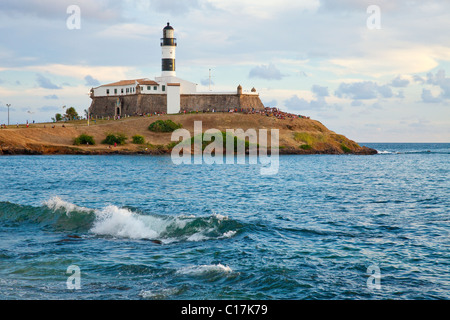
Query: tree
[[58, 117], [71, 113]]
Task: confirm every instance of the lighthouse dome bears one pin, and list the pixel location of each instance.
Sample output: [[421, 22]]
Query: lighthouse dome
[[168, 27]]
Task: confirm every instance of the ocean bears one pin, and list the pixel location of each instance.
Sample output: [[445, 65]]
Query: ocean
[[141, 228]]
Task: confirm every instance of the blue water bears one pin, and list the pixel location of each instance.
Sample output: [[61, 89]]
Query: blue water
[[315, 230]]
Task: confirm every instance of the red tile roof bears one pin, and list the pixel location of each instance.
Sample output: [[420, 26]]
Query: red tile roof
[[131, 82]]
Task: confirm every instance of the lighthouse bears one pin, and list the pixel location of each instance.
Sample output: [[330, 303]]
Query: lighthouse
[[168, 45]]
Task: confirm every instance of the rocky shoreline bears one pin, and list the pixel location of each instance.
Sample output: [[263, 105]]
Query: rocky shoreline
[[297, 136], [63, 150]]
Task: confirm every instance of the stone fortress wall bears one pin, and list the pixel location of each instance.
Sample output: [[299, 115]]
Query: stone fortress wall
[[137, 104]]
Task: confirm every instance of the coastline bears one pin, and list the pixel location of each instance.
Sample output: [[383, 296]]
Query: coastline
[[298, 136]]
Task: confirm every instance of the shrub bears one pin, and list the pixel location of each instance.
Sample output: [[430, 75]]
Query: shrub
[[345, 148], [164, 126], [111, 139], [305, 147], [84, 139], [137, 139]]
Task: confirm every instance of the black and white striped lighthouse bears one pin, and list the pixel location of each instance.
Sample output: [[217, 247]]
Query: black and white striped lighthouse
[[168, 44]]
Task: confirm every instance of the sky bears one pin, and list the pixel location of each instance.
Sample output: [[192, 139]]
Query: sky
[[373, 70]]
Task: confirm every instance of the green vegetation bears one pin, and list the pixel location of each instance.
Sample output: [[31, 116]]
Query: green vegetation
[[71, 114], [137, 139], [225, 136], [305, 137], [311, 139], [84, 139], [345, 148], [164, 126], [171, 145], [305, 147], [112, 139]]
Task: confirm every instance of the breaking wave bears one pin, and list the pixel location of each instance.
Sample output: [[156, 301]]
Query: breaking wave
[[116, 222]]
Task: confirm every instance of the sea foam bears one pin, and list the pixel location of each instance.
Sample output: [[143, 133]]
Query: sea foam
[[116, 222]]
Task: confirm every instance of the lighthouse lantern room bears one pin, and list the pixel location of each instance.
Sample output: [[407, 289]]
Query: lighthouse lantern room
[[168, 45]]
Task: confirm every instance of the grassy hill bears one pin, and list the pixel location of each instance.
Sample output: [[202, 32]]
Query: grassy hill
[[297, 135]]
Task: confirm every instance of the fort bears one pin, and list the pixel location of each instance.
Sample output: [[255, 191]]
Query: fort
[[167, 94]]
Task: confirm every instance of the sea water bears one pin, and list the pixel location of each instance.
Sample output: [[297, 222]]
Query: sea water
[[140, 227]]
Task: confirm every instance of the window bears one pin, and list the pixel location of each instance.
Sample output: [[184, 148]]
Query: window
[[149, 88], [121, 90], [163, 88], [107, 91], [115, 91], [128, 90], [155, 88]]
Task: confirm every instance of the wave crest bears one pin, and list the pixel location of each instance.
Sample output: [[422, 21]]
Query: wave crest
[[116, 222]]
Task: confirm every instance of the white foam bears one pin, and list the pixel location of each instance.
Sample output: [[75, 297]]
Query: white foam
[[197, 237], [384, 152], [162, 293], [56, 203], [202, 269], [220, 217], [229, 234], [123, 223]]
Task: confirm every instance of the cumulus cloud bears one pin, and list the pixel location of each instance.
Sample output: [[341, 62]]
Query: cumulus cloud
[[267, 72], [427, 96], [419, 79], [51, 97], [319, 102], [358, 90], [399, 82], [45, 83], [363, 90], [49, 109], [205, 82], [440, 80], [320, 91], [91, 82], [271, 104]]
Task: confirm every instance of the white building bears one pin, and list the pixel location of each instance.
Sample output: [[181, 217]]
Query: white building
[[168, 84], [175, 89]]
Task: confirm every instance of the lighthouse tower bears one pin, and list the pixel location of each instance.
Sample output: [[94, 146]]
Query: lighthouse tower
[[168, 45]]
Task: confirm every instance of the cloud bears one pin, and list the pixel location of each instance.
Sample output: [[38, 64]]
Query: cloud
[[268, 72], [428, 97], [174, 7], [440, 80], [91, 82], [45, 83], [357, 103], [263, 9], [49, 108], [385, 91], [205, 82], [105, 10], [296, 103], [419, 79], [320, 91], [363, 90], [51, 97], [271, 104], [359, 90], [399, 82]]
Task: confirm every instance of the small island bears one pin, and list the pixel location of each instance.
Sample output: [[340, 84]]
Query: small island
[[297, 134]]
